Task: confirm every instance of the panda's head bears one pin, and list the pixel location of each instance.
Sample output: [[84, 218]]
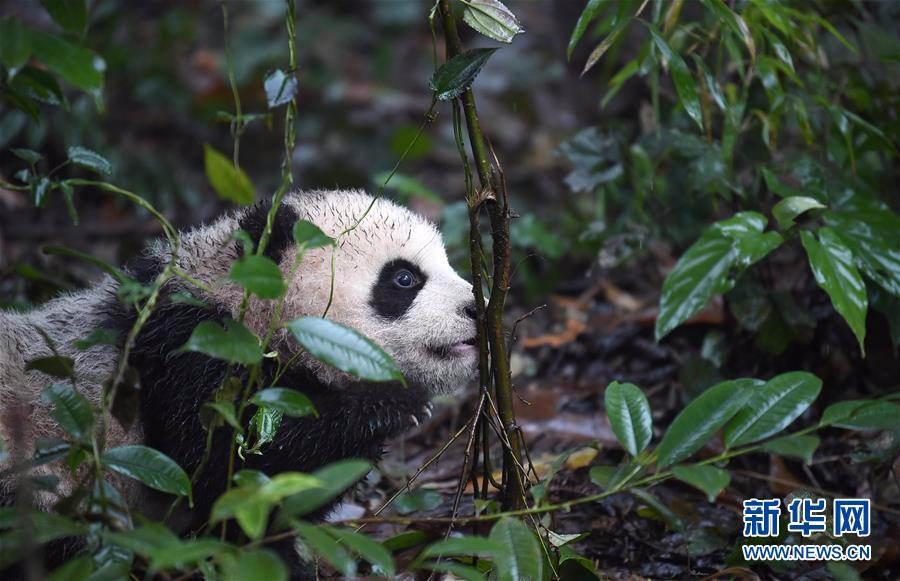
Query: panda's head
[[392, 282]]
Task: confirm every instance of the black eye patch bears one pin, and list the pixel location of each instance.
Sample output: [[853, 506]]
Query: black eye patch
[[398, 284]]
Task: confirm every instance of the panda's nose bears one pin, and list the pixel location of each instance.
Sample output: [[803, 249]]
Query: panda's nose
[[470, 310]]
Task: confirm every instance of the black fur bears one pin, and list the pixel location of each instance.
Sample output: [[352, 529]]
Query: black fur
[[253, 221], [390, 300]]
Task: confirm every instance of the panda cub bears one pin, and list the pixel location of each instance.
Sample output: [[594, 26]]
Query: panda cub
[[392, 282]]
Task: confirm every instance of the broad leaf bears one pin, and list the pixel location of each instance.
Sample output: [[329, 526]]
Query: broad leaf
[[833, 267], [71, 409], [456, 75], [326, 547], [309, 235], [873, 236], [256, 564], [464, 546], [701, 418], [802, 446], [492, 19], [344, 348], [709, 479], [335, 478], [259, 275], [280, 88], [77, 65], [89, 159], [787, 210], [150, 467], [873, 415], [15, 43], [370, 550], [229, 182], [235, 343], [773, 407], [77, 569], [288, 401], [629, 415], [250, 505], [681, 76], [71, 15], [521, 557], [53, 365]]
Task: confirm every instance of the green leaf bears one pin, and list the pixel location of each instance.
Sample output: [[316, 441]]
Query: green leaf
[[15, 44], [259, 275], [77, 65], [773, 407], [418, 500], [605, 45], [701, 418], [71, 15], [54, 365], [468, 546], [212, 414], [372, 551], [802, 446], [97, 337], [492, 19], [681, 76], [71, 409], [229, 182], [787, 210], [256, 564], [335, 478], [873, 415], [250, 505], [235, 343], [344, 348], [408, 186], [30, 156], [629, 415], [280, 88], [457, 74], [289, 401], [873, 236], [456, 570], [89, 159], [841, 410], [77, 569], [587, 15], [709, 479], [521, 557], [833, 267], [733, 21], [266, 422], [309, 235], [327, 548], [150, 467]]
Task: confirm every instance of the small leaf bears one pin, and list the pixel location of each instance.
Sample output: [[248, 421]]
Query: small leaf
[[15, 44], [229, 182], [71, 409], [344, 348], [587, 15], [97, 337], [492, 19], [335, 478], [327, 548], [309, 235], [457, 74], [802, 446], [681, 76], [521, 557], [787, 210], [30, 156], [701, 418], [418, 500], [212, 414], [408, 186], [604, 45], [53, 365], [629, 415], [709, 479], [773, 407], [89, 159], [235, 343], [71, 15], [150, 467], [266, 422], [259, 275], [873, 415], [280, 88], [372, 551], [833, 267], [468, 546], [289, 401]]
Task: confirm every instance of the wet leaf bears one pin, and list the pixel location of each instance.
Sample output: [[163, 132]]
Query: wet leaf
[[234, 342], [457, 74], [492, 19], [629, 415], [772, 407], [701, 418], [229, 182], [709, 479], [288, 401], [88, 159], [344, 348], [591, 9], [150, 467], [259, 275], [280, 88], [787, 210], [834, 269], [522, 558], [873, 236], [71, 409]]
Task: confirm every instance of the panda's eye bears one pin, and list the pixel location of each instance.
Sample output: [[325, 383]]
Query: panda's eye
[[404, 279]]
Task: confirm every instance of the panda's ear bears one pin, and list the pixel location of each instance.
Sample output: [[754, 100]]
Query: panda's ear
[[253, 221]]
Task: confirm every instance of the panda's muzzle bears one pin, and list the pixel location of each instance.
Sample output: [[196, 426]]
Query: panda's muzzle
[[457, 349]]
